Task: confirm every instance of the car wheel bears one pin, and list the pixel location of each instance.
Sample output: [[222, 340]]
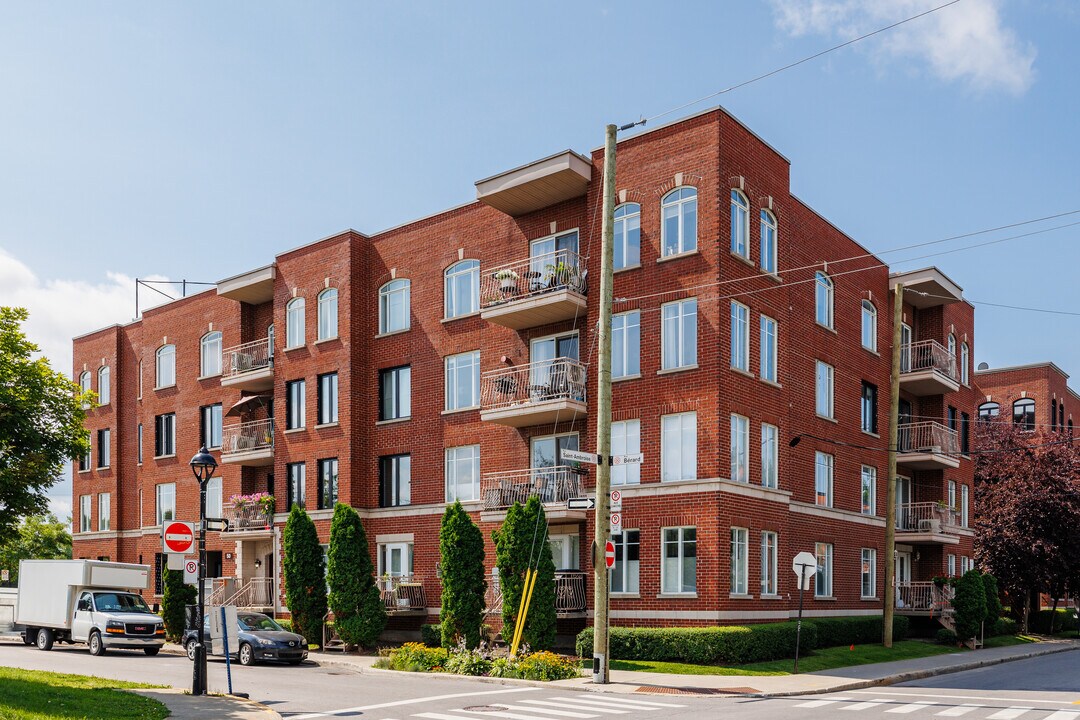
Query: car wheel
[[190, 648], [247, 654], [44, 639], [97, 647], [151, 651]]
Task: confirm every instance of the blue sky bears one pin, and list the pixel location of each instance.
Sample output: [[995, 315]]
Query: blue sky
[[198, 139]]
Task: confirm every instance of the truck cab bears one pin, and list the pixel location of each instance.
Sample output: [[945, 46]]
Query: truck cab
[[120, 619]]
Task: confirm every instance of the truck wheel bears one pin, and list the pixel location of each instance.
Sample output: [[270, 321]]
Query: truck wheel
[[28, 636], [151, 651], [97, 647], [44, 639], [247, 654]]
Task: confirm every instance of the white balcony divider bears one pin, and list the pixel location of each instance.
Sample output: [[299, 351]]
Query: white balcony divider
[[924, 517], [551, 484], [928, 355], [538, 382], [254, 355], [244, 437], [927, 437], [558, 270]]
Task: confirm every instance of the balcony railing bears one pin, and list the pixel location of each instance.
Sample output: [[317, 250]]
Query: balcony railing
[[924, 517], [551, 484], [250, 356], [928, 355], [923, 596], [248, 436], [569, 592], [255, 592], [402, 593], [248, 517], [927, 437], [535, 383], [559, 270]]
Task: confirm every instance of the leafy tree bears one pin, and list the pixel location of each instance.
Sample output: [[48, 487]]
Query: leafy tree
[[521, 542], [993, 599], [175, 598], [41, 424], [969, 604], [359, 614], [461, 545], [305, 576], [40, 537]]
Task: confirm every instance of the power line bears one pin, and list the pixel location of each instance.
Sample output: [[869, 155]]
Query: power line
[[1000, 305]]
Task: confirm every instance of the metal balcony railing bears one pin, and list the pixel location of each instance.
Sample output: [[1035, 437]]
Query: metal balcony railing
[[255, 592], [924, 517], [923, 595], [402, 593], [244, 437], [927, 437], [928, 355], [569, 591], [249, 517], [551, 484], [522, 279], [254, 355], [538, 382]]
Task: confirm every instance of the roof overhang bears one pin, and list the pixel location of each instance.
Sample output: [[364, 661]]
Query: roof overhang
[[255, 287], [538, 185], [928, 287]]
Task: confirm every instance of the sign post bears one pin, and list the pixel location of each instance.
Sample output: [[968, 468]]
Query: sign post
[[805, 567]]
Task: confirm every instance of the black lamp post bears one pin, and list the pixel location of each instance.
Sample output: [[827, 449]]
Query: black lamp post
[[203, 465]]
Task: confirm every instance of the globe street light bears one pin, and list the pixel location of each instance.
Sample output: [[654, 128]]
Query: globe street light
[[203, 465]]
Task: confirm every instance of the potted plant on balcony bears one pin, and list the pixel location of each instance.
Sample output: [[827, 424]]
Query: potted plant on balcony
[[561, 274], [507, 279], [266, 504]]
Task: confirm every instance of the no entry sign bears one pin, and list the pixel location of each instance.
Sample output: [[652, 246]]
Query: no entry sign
[[178, 537], [609, 554]]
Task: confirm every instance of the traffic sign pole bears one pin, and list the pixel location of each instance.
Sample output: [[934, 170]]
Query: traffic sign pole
[[798, 625]]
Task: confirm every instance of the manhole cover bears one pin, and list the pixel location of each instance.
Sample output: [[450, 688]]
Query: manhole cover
[[484, 708]]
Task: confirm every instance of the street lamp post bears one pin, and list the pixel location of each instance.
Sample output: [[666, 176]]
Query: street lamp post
[[203, 465]]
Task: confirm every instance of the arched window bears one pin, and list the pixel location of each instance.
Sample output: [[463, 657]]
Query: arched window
[[270, 340], [823, 299], [84, 386], [965, 362], [869, 325], [988, 411], [1061, 416], [768, 242], [462, 288], [740, 224], [1053, 414], [627, 236], [1024, 414], [328, 324], [394, 306], [294, 323], [1070, 427], [103, 385], [210, 354], [678, 229], [166, 366]]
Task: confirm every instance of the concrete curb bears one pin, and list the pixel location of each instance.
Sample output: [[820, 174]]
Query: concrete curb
[[441, 676]]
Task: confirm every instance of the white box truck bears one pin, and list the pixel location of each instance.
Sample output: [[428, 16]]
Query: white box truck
[[87, 601]]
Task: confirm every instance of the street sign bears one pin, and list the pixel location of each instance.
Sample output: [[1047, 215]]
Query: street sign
[[178, 537], [635, 459], [191, 572], [609, 554], [805, 567], [217, 524], [616, 501], [4, 576], [578, 456], [580, 503], [616, 522], [174, 561]]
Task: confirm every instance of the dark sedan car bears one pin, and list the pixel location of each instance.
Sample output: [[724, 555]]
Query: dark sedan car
[[259, 638]]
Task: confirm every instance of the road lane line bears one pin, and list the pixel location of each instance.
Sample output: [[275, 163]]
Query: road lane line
[[619, 702], [1062, 715], [959, 697], [546, 711], [911, 707], [443, 716], [410, 701], [1009, 713], [821, 703], [958, 710], [865, 705], [578, 706]]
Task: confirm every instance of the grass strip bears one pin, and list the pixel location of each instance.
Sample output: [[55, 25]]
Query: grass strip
[[39, 695]]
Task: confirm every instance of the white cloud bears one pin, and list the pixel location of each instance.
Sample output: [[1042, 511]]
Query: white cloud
[[966, 42]]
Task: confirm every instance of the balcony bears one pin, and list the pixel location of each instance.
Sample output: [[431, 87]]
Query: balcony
[[538, 185], [539, 291], [248, 366], [927, 368], [249, 519], [403, 595], [927, 446], [254, 287], [539, 393], [923, 598], [570, 593], [248, 443], [926, 522]]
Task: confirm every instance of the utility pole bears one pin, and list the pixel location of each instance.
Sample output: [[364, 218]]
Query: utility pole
[[601, 659], [890, 500]]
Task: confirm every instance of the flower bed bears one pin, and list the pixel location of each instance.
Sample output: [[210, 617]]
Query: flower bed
[[417, 657]]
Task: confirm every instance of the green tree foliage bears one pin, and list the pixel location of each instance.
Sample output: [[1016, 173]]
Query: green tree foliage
[[359, 614], [175, 598], [41, 424], [461, 546], [993, 598], [305, 576], [522, 540], [969, 605], [41, 537]]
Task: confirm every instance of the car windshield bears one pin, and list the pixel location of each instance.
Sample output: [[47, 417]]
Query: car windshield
[[255, 621], [120, 602]]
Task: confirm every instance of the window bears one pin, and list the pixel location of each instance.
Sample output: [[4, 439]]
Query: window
[[952, 347], [740, 564], [952, 418], [950, 563], [165, 435], [84, 386], [327, 314], [868, 490], [139, 448], [768, 349], [166, 503], [270, 340], [166, 366], [869, 407], [140, 381], [395, 559], [740, 449], [678, 574], [679, 334], [627, 236], [210, 354], [103, 385], [740, 336], [295, 402], [823, 577], [823, 299], [84, 513], [86, 458], [395, 393], [869, 325], [678, 447], [294, 323], [1053, 414], [823, 479], [868, 586], [626, 440], [678, 227], [547, 451], [964, 500], [768, 242], [210, 431], [394, 306], [1024, 414], [625, 571], [213, 498], [768, 563], [965, 360], [104, 510], [296, 478], [463, 473], [989, 410], [965, 433], [824, 390], [770, 455], [103, 438], [395, 480], [328, 483], [626, 344], [463, 381], [328, 398], [462, 291], [952, 495], [740, 225]]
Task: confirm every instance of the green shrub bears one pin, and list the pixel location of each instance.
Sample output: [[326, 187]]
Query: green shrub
[[414, 657], [465, 661], [993, 598], [517, 542], [727, 644], [1039, 622], [286, 624], [431, 635], [861, 630], [945, 636], [359, 613], [541, 665], [175, 598], [969, 604], [305, 575], [1002, 626], [461, 547]]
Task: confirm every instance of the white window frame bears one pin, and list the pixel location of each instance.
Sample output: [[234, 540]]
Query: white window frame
[[165, 502], [679, 350], [740, 336], [210, 354], [467, 271], [770, 456], [626, 345], [627, 221], [406, 550], [84, 386], [740, 561], [740, 224], [458, 462], [295, 331], [679, 581], [868, 336], [678, 424], [823, 299], [965, 505], [400, 393], [824, 467], [951, 489], [950, 564], [626, 440], [104, 512], [166, 366], [455, 368], [395, 294], [868, 490], [214, 497], [740, 448], [965, 361], [769, 554], [868, 574], [622, 568], [296, 407], [769, 235], [85, 516], [327, 314], [823, 389], [104, 385], [823, 579], [675, 204], [769, 330]]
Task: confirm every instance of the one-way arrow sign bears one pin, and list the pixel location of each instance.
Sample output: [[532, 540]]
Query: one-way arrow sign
[[582, 503], [217, 524]]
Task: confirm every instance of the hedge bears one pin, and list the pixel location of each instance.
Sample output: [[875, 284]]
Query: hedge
[[727, 644], [1039, 622], [1002, 626], [862, 630], [431, 635]]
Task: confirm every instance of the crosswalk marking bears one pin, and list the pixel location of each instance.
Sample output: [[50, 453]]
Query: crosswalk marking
[[547, 711], [500, 713], [864, 705], [958, 710], [575, 706], [613, 700], [1062, 715], [1009, 713], [821, 703], [911, 707]]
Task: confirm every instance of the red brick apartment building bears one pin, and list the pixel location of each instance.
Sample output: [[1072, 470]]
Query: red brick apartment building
[[450, 358], [1036, 396]]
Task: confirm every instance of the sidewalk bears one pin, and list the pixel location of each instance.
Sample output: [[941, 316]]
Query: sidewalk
[[188, 707]]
